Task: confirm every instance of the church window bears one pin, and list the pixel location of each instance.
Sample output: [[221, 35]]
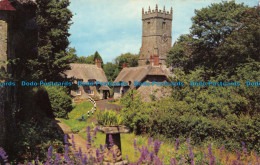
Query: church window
[[163, 25]]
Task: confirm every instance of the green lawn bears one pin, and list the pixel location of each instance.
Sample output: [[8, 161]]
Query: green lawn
[[76, 113]]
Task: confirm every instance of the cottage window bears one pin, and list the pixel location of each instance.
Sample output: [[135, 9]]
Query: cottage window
[[78, 92], [90, 92]]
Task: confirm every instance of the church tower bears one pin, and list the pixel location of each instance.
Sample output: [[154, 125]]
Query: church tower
[[156, 35]]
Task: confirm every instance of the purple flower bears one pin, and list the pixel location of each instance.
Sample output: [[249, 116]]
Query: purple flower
[[88, 129], [144, 154], [150, 140], [3, 154], [238, 155], [66, 139], [157, 145], [212, 160], [84, 160], [188, 140], [66, 154], [98, 155], [222, 148], [173, 161], [49, 154], [73, 142], [190, 152], [244, 149], [80, 153], [177, 144], [88, 140], [210, 150], [151, 156], [227, 158], [57, 159]]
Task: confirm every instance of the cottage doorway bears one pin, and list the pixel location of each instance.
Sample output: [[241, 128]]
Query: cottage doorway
[[106, 94]]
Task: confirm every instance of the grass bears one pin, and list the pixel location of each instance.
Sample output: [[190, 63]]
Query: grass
[[80, 109]]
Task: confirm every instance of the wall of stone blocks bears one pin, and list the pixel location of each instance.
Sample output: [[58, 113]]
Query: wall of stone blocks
[[3, 40]]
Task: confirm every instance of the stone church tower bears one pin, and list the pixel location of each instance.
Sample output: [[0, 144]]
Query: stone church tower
[[156, 35]]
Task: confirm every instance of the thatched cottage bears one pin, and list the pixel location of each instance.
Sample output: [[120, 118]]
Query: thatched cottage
[[143, 74], [88, 73]]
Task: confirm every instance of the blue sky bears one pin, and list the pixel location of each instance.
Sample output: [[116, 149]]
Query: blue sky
[[113, 27]]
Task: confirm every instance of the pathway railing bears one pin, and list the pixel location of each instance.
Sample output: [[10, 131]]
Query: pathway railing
[[92, 110]]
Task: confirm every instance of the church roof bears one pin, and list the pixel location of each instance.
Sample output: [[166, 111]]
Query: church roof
[[86, 72], [6, 6]]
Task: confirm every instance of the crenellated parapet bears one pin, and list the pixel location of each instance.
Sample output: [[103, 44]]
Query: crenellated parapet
[[157, 13]]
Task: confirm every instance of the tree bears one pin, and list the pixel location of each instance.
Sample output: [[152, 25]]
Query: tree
[[130, 59], [109, 69], [53, 20], [211, 28], [85, 60], [97, 56], [242, 45], [180, 54]]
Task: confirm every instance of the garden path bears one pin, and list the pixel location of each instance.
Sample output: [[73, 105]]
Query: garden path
[[103, 104], [78, 140]]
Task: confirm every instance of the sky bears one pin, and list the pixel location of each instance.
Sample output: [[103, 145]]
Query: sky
[[113, 27]]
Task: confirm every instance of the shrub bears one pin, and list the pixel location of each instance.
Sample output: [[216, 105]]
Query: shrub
[[61, 103], [109, 118]]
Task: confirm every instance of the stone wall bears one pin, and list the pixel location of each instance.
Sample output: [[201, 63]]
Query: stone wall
[[3, 40], [156, 35]]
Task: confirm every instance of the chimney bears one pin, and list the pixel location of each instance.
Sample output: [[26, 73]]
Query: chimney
[[124, 65], [98, 62], [156, 60], [151, 60]]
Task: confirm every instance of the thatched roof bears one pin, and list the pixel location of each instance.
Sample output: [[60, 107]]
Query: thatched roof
[[86, 72], [132, 74], [139, 73]]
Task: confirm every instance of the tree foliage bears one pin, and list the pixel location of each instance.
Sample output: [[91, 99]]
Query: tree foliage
[[53, 20], [110, 70], [130, 59], [222, 36], [61, 103]]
